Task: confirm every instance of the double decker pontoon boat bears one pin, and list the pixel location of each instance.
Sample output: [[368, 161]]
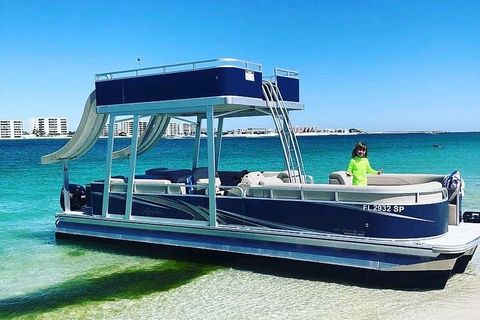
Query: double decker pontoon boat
[[400, 225]]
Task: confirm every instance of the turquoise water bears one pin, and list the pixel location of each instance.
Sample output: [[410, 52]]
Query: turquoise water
[[44, 278]]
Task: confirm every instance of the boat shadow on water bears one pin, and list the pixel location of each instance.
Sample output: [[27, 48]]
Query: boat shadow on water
[[129, 283], [179, 266]]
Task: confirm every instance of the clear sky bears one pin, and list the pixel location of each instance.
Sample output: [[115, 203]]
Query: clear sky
[[376, 65]]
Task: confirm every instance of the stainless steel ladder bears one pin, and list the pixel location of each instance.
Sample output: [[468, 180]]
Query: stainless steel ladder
[[280, 115]]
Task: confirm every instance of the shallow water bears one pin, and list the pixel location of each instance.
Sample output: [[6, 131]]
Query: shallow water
[[44, 278]]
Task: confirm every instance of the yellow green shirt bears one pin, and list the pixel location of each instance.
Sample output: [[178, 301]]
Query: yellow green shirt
[[359, 168]]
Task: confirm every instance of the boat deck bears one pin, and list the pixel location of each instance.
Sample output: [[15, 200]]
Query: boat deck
[[458, 238]]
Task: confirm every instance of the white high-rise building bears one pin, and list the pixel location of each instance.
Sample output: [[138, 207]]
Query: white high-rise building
[[10, 129], [189, 129], [125, 128], [116, 130], [49, 126], [174, 130]]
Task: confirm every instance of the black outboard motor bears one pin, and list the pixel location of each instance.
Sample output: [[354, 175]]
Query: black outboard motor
[[455, 187], [78, 197], [471, 216]]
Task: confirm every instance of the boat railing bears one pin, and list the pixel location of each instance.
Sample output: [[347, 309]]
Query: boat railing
[[180, 67], [286, 73], [404, 194], [279, 72], [158, 186], [422, 193]]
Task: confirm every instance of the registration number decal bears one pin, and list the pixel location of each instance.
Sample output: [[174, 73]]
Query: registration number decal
[[383, 208]]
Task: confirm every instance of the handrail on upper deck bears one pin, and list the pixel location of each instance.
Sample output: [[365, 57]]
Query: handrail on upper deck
[[178, 67], [286, 73]]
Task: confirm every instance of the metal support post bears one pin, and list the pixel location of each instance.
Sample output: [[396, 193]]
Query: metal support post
[[131, 173], [66, 187], [212, 201], [218, 141], [108, 167], [196, 149]]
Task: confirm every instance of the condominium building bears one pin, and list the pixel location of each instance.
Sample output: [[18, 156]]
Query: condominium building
[[49, 126], [116, 130], [10, 129], [174, 130], [189, 129], [125, 128]]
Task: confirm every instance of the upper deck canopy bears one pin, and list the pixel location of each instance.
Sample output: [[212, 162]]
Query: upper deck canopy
[[233, 86]]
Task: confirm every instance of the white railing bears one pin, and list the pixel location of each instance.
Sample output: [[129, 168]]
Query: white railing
[[286, 73], [425, 193], [179, 67]]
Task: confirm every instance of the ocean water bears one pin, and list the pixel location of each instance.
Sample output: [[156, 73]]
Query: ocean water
[[44, 278]]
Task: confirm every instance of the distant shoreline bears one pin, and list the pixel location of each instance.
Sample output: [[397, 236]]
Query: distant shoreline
[[269, 135]]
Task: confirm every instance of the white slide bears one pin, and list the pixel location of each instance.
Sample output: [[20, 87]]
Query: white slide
[[155, 129], [90, 127]]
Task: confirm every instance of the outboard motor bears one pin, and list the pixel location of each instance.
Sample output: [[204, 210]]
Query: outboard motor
[[454, 183], [471, 216], [78, 197], [455, 187]]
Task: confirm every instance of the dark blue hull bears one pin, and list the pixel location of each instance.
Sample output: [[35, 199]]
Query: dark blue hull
[[374, 221]]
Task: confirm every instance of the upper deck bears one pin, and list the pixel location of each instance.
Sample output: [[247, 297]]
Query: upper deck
[[233, 86]]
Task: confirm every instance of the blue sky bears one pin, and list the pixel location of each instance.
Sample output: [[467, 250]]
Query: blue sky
[[376, 65]]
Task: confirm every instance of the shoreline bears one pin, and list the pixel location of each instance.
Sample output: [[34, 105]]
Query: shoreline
[[269, 135]]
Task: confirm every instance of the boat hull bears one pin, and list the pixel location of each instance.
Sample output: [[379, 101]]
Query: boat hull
[[370, 256], [365, 220]]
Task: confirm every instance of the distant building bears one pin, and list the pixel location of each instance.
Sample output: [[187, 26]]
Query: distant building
[[125, 128], [189, 129], [45, 127], [116, 131], [10, 129], [174, 130], [306, 129]]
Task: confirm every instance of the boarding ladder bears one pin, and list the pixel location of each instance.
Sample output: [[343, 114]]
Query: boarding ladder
[[280, 115]]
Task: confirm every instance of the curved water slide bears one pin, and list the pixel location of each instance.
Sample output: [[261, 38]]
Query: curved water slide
[[155, 129], [90, 127]]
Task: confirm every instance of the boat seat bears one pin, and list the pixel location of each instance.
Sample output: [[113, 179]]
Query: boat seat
[[386, 179], [200, 178], [157, 186], [258, 178], [255, 178], [231, 178], [151, 186], [340, 177], [175, 175], [396, 179], [283, 175], [118, 185]]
